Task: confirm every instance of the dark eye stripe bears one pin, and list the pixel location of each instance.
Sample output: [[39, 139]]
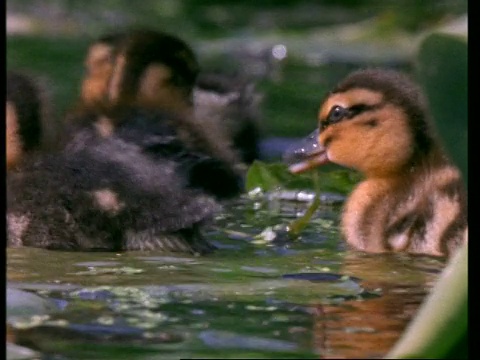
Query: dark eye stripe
[[338, 113]]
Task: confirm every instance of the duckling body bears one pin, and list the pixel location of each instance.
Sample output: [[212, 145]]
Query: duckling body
[[108, 196], [156, 135], [412, 198]]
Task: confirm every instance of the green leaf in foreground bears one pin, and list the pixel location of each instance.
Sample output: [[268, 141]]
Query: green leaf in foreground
[[259, 175]]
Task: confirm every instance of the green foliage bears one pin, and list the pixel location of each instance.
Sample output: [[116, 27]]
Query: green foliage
[[58, 59], [442, 69], [296, 226], [276, 175]]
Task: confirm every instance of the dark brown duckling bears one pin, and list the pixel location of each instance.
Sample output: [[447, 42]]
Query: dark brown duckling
[[156, 135], [155, 72], [162, 71], [108, 196], [412, 199]]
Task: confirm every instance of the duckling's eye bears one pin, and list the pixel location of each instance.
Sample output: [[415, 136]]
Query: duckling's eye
[[336, 114]]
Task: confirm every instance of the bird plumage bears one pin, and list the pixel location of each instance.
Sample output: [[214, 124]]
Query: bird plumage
[[412, 198], [133, 175]]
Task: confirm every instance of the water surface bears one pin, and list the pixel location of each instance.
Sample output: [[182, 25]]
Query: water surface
[[253, 298]]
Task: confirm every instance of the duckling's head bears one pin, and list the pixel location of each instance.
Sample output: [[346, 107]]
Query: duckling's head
[[23, 117], [374, 121], [153, 69], [98, 68]]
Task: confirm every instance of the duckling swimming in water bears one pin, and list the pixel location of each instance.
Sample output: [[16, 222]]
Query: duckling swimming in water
[[155, 72], [131, 177], [158, 70], [412, 198], [107, 197]]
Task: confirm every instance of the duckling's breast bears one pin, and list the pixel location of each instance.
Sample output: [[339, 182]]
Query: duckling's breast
[[421, 214]]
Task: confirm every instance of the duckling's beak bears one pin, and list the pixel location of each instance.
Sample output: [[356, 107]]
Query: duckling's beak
[[306, 154]]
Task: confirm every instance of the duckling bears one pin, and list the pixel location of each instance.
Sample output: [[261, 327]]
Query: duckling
[[163, 72], [154, 72], [24, 112], [412, 199], [131, 177], [108, 196]]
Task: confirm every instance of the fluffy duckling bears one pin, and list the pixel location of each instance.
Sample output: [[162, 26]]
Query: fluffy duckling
[[156, 135], [106, 197], [412, 198], [24, 112], [152, 75], [163, 73], [131, 177]]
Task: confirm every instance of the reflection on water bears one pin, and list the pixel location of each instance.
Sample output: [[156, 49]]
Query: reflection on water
[[304, 299], [371, 326]]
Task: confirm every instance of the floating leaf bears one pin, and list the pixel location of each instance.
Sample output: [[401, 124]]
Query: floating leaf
[[276, 175]]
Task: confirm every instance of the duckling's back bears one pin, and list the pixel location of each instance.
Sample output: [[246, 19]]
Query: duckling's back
[[106, 197]]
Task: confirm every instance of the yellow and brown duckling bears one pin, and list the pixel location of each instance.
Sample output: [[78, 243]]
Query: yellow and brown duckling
[[412, 198], [25, 108], [158, 70]]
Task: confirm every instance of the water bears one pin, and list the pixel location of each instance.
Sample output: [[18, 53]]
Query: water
[[306, 298]]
